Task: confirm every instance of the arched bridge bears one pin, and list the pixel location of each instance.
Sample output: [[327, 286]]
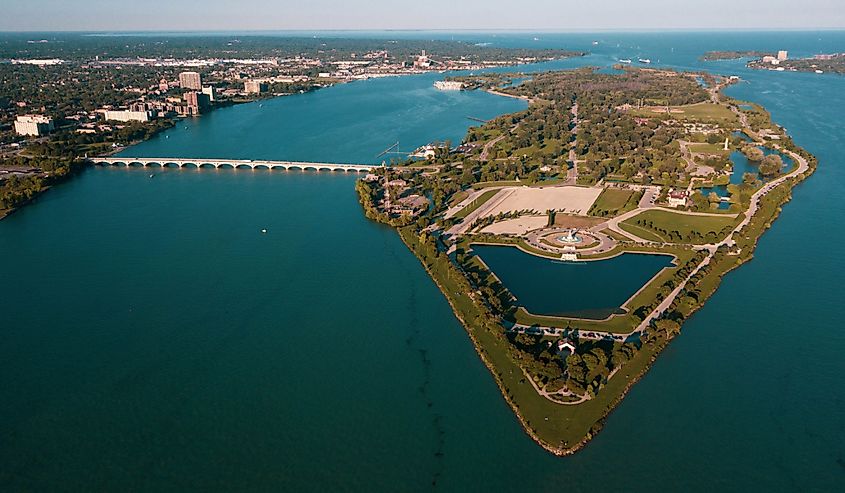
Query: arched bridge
[[228, 163]]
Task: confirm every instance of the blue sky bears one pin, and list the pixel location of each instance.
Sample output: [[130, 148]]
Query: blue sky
[[558, 15]]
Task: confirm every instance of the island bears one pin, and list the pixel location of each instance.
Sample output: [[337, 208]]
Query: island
[[780, 61], [574, 238]]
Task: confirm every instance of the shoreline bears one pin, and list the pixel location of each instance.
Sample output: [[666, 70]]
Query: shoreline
[[598, 425]]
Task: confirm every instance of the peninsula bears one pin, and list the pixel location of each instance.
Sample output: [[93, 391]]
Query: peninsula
[[530, 226]]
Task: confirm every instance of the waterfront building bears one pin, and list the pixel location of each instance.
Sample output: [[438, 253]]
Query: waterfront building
[[190, 80], [130, 115], [196, 102], [782, 55], [211, 92], [254, 87], [33, 125]]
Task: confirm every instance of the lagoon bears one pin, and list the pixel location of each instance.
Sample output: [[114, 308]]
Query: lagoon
[[594, 289]]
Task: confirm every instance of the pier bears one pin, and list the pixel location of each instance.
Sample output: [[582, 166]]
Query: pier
[[228, 164]]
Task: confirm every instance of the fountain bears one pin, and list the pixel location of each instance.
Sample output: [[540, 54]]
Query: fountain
[[571, 237]]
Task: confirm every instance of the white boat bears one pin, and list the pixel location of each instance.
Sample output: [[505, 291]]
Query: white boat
[[625, 60], [264, 231], [819, 71], [644, 60], [152, 175]]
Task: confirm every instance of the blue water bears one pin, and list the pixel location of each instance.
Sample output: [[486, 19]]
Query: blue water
[[583, 289], [153, 340], [741, 166], [347, 123]]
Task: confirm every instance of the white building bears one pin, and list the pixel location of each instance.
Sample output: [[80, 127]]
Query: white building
[[34, 125], [128, 115], [677, 198], [40, 63], [782, 55], [211, 92]]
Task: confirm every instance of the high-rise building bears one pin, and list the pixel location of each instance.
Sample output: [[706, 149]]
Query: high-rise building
[[196, 101], [254, 87], [35, 125], [190, 80], [782, 55]]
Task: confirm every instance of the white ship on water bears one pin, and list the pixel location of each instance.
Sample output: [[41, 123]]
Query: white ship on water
[[645, 60], [449, 85], [624, 60]]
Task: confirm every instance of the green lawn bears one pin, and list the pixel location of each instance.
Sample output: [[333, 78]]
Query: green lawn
[[679, 228], [699, 112], [614, 201]]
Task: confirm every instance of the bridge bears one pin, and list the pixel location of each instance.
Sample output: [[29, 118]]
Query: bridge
[[227, 163]]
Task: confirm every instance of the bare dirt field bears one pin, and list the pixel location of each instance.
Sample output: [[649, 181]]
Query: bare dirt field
[[518, 226], [573, 200]]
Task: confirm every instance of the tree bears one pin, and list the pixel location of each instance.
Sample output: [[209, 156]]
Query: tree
[[753, 153], [771, 165]]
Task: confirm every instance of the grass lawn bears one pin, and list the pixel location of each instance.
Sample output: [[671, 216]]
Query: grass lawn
[[679, 228], [614, 201], [475, 204], [699, 112], [706, 148]]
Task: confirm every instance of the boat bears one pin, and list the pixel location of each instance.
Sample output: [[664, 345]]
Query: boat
[[152, 175], [644, 60], [264, 231], [595, 43], [625, 60], [819, 71]]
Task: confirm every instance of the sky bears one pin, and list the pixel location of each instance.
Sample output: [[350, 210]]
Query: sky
[[557, 15]]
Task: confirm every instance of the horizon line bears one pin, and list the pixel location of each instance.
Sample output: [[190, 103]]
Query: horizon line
[[452, 30]]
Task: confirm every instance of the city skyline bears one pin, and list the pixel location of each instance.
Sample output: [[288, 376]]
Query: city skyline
[[190, 15]]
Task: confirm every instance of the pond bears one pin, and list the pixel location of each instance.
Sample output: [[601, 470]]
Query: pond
[[742, 165], [593, 290]]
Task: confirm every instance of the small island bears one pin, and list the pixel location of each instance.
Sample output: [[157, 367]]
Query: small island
[[574, 238]]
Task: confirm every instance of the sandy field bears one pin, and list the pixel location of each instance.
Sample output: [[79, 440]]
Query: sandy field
[[518, 226], [573, 200]]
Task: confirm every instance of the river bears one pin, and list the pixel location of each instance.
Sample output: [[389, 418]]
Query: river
[[153, 339]]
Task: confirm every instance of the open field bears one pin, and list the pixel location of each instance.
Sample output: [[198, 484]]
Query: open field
[[518, 226], [705, 148], [699, 112], [673, 227], [576, 200], [614, 201], [580, 222]]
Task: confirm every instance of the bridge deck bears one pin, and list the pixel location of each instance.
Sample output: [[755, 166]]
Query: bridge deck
[[234, 163]]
